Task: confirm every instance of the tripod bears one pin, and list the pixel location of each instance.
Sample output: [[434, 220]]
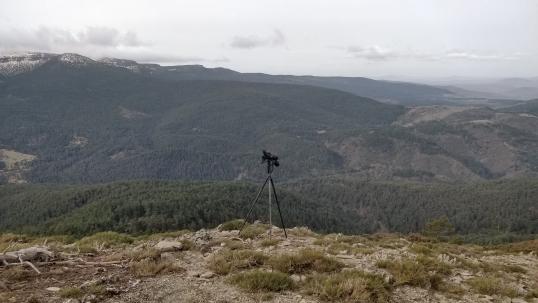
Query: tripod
[[271, 161]]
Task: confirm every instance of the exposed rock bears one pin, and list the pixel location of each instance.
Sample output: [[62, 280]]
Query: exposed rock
[[207, 275], [169, 246]]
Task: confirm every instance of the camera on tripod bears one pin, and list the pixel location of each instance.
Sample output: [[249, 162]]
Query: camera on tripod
[[271, 161]]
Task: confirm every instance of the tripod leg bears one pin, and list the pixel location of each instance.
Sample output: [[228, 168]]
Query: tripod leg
[[278, 206], [253, 203]]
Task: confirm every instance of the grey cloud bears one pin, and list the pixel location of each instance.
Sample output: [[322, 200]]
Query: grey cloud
[[480, 56], [147, 56], [103, 36], [277, 38], [372, 52], [54, 39], [379, 53]]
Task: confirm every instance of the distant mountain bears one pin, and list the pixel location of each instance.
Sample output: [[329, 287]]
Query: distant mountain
[[530, 107], [87, 121], [508, 88], [68, 118], [385, 91]]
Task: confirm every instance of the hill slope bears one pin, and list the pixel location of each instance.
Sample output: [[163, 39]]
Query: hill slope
[[71, 119], [331, 205]]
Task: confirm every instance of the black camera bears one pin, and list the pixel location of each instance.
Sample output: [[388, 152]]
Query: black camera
[[271, 161], [270, 158]]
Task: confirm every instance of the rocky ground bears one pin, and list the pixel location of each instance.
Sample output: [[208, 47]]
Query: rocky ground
[[219, 265]]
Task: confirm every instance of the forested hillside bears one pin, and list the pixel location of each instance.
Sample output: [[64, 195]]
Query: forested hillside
[[70, 119], [90, 122], [333, 205]]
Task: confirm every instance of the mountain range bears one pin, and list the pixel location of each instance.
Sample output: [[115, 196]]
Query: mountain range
[[70, 119]]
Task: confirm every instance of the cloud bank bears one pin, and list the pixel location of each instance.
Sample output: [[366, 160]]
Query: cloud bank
[[93, 41], [379, 53], [277, 38]]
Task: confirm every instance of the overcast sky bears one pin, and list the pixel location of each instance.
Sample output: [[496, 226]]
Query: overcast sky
[[378, 38]]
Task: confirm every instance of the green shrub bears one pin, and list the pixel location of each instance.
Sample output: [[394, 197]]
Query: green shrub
[[226, 260], [305, 260], [348, 286], [258, 280]]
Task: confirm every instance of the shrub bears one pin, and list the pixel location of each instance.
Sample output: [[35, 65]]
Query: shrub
[[348, 286], [232, 225], [70, 292], [258, 280], [304, 261], [492, 286], [226, 260], [150, 268]]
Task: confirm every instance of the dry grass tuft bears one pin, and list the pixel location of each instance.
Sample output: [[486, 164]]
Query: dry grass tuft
[[71, 292], [226, 260], [492, 286], [348, 286], [103, 240], [269, 242], [423, 272], [303, 261], [151, 268], [232, 225], [258, 280], [253, 231]]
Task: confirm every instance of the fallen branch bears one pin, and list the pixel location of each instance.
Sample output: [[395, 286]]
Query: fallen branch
[[25, 255]]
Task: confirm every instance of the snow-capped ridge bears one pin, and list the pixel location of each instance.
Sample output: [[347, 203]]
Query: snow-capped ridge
[[124, 63], [74, 59], [14, 64]]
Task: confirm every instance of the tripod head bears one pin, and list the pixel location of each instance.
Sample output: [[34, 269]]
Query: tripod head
[[271, 161]]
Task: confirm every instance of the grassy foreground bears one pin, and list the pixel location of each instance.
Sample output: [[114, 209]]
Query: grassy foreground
[[316, 267]]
